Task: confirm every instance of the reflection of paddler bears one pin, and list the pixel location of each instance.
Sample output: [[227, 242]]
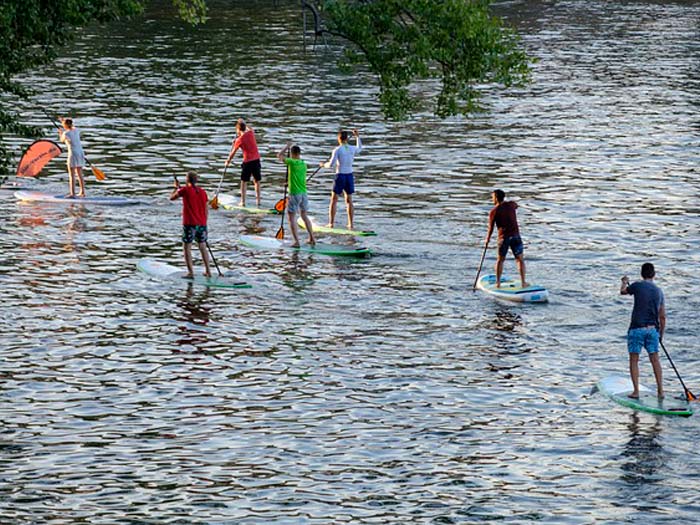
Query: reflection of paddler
[[194, 220], [70, 136]]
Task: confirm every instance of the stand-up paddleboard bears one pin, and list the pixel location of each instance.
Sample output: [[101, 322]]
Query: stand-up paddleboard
[[229, 202], [38, 196], [270, 243], [168, 272], [617, 388], [339, 231], [511, 290]]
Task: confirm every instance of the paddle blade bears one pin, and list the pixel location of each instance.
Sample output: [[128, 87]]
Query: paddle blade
[[280, 233], [98, 173], [214, 203], [690, 396], [281, 205]]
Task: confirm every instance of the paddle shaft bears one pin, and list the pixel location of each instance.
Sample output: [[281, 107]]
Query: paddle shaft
[[218, 188], [314, 173], [213, 259], [483, 256], [688, 394]]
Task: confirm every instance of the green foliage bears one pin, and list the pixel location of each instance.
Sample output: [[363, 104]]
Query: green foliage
[[457, 42], [31, 31]]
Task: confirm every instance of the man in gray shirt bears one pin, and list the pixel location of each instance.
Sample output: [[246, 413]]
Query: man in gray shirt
[[646, 326]]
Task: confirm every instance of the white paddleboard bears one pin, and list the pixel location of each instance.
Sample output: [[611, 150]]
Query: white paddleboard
[[617, 388], [38, 196], [271, 243], [511, 290], [229, 202], [168, 272]]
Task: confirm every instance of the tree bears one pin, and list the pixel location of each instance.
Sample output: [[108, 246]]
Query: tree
[[458, 42], [32, 30]]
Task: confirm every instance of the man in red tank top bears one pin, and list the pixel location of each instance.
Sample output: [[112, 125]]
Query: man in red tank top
[[502, 216], [245, 141], [194, 220]]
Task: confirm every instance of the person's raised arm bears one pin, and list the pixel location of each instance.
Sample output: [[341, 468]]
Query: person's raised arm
[[358, 142], [282, 154], [176, 190], [624, 285]]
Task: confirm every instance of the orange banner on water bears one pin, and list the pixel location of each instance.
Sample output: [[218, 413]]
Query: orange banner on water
[[36, 156]]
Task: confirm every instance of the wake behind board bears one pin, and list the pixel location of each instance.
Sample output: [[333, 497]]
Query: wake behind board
[[617, 388], [38, 196], [339, 231], [270, 243], [511, 290], [168, 272], [229, 202]]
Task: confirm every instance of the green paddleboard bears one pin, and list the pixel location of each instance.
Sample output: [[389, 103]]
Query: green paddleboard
[[168, 272], [617, 388], [270, 243]]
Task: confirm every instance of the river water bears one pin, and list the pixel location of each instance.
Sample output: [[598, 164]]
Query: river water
[[372, 391]]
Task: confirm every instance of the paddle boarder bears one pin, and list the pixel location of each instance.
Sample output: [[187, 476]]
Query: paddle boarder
[[342, 158], [70, 136], [502, 216], [646, 326], [245, 140], [194, 220], [298, 199]]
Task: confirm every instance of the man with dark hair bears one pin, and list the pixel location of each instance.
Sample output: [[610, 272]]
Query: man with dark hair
[[646, 326], [194, 220], [503, 217]]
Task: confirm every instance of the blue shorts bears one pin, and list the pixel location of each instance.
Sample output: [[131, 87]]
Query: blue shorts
[[194, 233], [344, 182], [643, 337], [297, 203], [515, 243]]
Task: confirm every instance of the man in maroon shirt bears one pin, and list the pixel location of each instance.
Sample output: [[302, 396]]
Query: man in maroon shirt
[[503, 217], [194, 220]]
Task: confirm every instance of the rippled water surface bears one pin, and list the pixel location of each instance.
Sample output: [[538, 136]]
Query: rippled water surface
[[372, 391]]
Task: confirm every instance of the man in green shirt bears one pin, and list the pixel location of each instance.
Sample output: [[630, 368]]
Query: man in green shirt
[[298, 200]]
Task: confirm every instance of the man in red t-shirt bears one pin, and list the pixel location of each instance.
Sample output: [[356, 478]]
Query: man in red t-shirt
[[503, 217], [245, 140], [194, 220]]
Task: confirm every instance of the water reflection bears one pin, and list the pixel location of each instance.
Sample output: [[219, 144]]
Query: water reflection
[[642, 455], [196, 313]]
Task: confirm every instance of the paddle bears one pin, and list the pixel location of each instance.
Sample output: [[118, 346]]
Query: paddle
[[314, 173], [214, 259], [280, 233], [688, 394], [98, 173], [214, 203], [483, 255]]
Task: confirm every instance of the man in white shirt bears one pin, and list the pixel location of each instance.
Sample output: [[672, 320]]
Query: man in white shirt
[[342, 158]]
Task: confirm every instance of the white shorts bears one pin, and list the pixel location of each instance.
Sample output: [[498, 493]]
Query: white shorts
[[297, 203]]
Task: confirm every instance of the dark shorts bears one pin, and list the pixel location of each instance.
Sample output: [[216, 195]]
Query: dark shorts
[[194, 233], [344, 182], [514, 243], [251, 168]]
